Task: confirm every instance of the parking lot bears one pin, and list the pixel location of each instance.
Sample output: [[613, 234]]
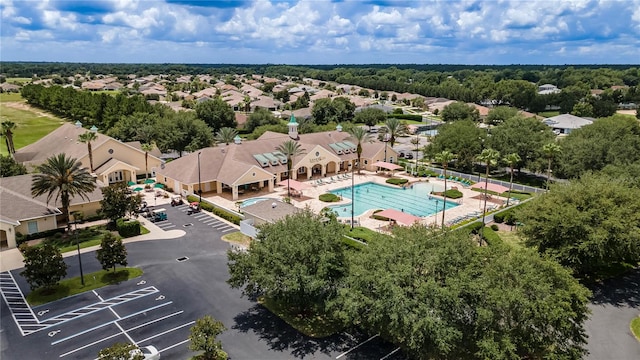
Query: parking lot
[[184, 279]]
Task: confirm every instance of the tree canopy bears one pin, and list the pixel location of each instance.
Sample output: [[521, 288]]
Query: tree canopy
[[216, 113], [298, 261], [9, 167], [463, 138], [459, 111], [522, 136], [112, 252], [337, 110], [439, 296], [588, 225], [117, 202], [43, 265]]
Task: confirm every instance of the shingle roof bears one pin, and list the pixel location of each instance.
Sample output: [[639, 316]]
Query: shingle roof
[[266, 210], [62, 140], [567, 121], [16, 191]]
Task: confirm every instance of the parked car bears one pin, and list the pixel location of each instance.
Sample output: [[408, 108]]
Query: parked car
[[401, 154], [194, 207], [408, 156], [176, 200], [158, 215]]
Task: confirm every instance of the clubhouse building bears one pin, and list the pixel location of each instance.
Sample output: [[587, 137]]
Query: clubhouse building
[[257, 165]]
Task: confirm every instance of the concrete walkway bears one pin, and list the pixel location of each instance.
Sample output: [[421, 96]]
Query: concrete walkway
[[12, 259]]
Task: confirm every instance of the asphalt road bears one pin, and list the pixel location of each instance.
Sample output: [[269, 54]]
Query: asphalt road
[[161, 306]]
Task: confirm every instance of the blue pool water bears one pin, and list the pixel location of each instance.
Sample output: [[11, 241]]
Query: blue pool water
[[412, 200], [253, 201]]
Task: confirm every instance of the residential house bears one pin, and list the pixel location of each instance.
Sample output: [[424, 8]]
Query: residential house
[[565, 123]]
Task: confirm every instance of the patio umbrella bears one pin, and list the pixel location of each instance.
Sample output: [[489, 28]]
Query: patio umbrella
[[159, 186], [131, 183], [149, 181], [138, 189]]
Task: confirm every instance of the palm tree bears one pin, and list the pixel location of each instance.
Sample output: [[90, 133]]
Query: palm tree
[[359, 135], [512, 159], [7, 132], [87, 138], [226, 135], [290, 149], [444, 158], [146, 147], [64, 177], [489, 157], [550, 151], [393, 128]]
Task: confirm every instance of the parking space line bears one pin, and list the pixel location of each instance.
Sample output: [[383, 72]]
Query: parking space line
[[167, 331], [229, 229], [155, 321], [357, 346], [166, 227], [21, 312], [391, 353], [90, 344], [125, 333], [174, 345], [110, 322], [210, 221]]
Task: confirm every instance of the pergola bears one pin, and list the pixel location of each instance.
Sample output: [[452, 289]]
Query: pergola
[[399, 216]]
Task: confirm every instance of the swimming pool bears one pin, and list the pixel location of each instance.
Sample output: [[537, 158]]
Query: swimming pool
[[253, 201], [414, 200]]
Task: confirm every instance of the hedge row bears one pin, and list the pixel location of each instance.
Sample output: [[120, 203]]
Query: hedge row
[[453, 194], [397, 181], [412, 117], [506, 216], [128, 228], [216, 211], [329, 197], [20, 238]]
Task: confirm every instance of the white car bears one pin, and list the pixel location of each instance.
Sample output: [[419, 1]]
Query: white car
[[149, 353]]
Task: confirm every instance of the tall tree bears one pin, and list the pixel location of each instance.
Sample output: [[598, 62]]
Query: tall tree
[[7, 131], [590, 224], [370, 116], [490, 157], [117, 202], [146, 147], [360, 136], [290, 149], [216, 113], [438, 296], [112, 252], [9, 167], [512, 160], [87, 138], [444, 158], [204, 337], [226, 135], [43, 265], [524, 136], [550, 150], [459, 111], [279, 266], [394, 128], [463, 138], [65, 178]]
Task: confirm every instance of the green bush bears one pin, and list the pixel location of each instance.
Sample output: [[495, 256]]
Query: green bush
[[397, 181], [453, 194], [494, 227], [329, 197], [20, 238], [510, 218], [499, 217], [128, 228], [474, 228], [491, 237]]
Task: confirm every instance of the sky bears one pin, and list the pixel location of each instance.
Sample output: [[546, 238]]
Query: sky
[[489, 32]]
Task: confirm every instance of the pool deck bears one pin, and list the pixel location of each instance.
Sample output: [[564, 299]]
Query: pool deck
[[471, 202]]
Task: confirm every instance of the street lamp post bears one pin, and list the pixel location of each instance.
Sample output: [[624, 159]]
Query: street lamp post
[[417, 147], [79, 257], [385, 139], [199, 182], [435, 216]]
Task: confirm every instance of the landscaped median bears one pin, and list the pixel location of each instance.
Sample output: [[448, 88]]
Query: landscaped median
[[73, 286], [635, 327]]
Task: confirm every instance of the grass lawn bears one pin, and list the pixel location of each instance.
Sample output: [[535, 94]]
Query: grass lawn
[[237, 238], [73, 286], [512, 238], [313, 325], [19, 80], [31, 125], [514, 194], [360, 233], [549, 114], [635, 327]]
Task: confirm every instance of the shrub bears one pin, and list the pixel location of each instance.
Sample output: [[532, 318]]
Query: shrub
[[494, 227], [397, 181], [510, 218], [491, 237], [453, 194], [474, 228], [128, 228], [378, 217], [499, 217], [329, 197], [20, 238]]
